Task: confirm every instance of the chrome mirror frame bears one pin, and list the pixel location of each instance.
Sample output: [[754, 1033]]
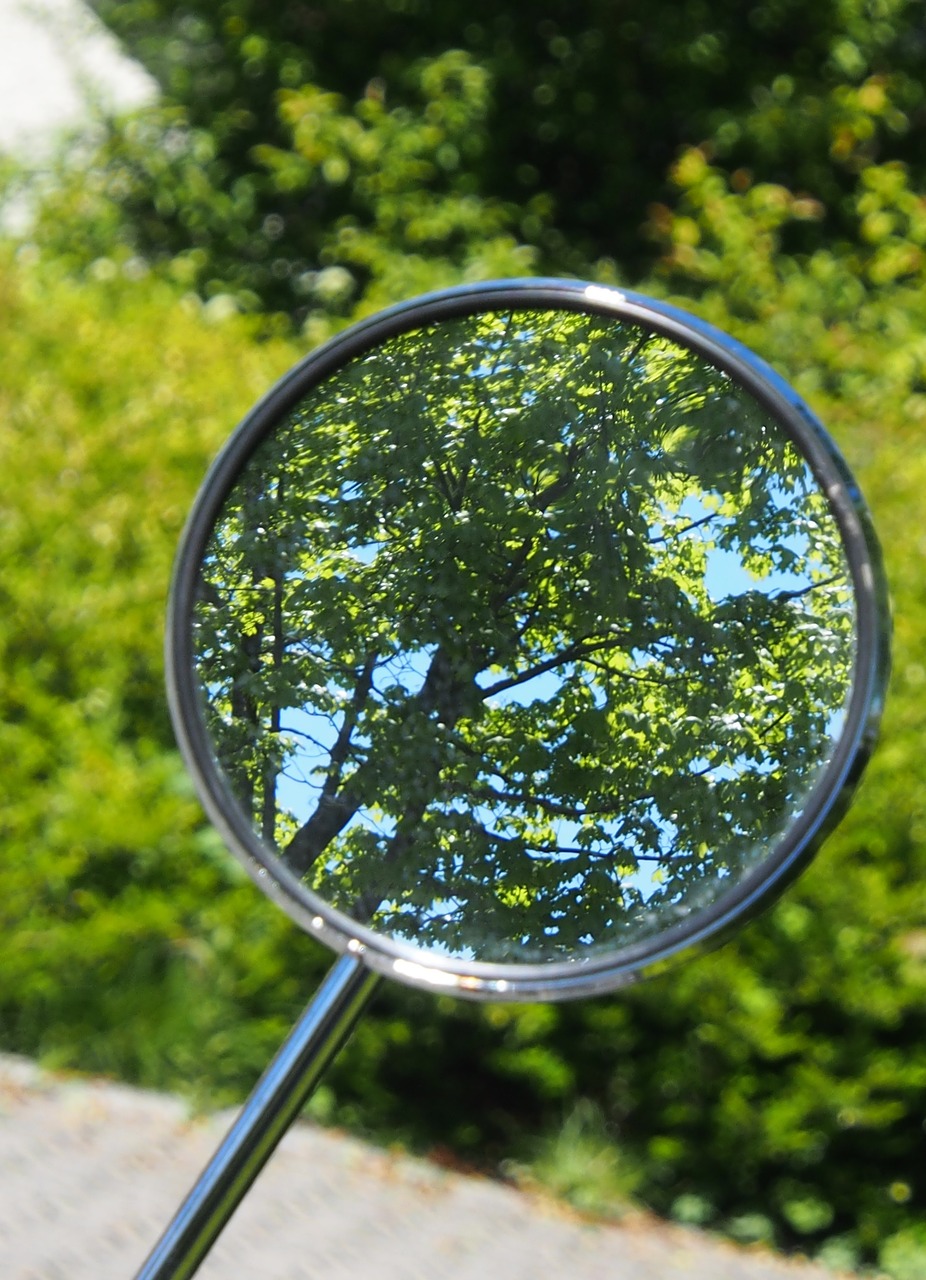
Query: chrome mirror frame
[[552, 980]]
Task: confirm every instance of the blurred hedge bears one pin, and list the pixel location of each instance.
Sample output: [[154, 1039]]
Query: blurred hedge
[[773, 1090], [591, 101]]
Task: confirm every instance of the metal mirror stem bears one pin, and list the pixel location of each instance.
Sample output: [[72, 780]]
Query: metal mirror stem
[[522, 636], [278, 1097]]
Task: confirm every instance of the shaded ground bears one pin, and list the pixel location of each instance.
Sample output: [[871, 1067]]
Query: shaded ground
[[91, 1172]]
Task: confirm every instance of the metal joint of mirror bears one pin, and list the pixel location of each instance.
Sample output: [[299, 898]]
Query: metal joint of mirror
[[523, 636]]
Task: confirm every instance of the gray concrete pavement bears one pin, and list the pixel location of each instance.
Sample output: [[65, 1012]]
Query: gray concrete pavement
[[91, 1172]]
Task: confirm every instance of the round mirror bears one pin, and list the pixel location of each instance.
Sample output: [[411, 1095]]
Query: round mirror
[[524, 634]]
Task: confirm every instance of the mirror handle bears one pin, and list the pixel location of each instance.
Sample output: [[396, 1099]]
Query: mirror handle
[[274, 1103]]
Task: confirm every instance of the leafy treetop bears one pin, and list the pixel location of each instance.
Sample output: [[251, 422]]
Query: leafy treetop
[[523, 634]]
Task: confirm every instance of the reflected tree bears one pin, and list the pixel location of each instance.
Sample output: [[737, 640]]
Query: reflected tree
[[525, 634]]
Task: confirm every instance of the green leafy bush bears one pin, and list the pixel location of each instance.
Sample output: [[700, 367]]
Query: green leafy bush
[[781, 1077], [590, 104], [118, 904], [773, 1089], [383, 197]]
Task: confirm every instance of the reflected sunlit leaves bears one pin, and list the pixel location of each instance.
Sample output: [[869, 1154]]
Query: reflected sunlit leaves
[[524, 635]]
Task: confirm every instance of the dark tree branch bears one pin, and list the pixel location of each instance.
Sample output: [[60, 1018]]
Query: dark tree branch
[[572, 653], [678, 533], [342, 743], [798, 594], [444, 694], [553, 807]]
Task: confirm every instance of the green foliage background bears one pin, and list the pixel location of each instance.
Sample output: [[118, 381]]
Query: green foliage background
[[307, 164]]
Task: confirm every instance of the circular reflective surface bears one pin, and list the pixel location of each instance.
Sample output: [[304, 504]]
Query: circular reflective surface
[[522, 635]]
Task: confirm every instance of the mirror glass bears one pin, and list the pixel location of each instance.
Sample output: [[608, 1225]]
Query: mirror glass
[[524, 635]]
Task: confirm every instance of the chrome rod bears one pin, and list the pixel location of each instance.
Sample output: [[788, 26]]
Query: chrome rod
[[276, 1100]]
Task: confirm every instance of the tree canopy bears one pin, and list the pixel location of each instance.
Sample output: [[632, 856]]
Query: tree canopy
[[525, 635]]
